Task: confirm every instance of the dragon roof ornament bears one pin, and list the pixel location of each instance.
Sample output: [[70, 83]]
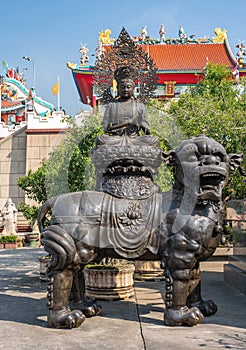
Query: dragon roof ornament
[[221, 35]]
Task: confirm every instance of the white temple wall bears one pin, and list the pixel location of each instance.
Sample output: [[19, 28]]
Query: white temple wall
[[24, 149], [12, 166]]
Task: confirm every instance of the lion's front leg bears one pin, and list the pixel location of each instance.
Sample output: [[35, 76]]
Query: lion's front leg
[[178, 260], [59, 286], [89, 307], [207, 307], [177, 312], [61, 247]]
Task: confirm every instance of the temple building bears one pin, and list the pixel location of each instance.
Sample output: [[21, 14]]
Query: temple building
[[180, 61], [16, 100], [29, 130]]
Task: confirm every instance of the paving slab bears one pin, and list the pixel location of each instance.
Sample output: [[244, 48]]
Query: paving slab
[[224, 330], [136, 323], [23, 313]]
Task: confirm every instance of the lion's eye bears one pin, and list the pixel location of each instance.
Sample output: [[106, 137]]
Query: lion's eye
[[192, 158], [221, 156], [218, 156]]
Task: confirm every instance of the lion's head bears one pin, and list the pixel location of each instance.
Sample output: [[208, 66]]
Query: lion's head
[[202, 166]]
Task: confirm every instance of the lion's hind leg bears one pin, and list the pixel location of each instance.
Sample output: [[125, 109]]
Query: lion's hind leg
[[89, 307], [60, 245], [207, 307]]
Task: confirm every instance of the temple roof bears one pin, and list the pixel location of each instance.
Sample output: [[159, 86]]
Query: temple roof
[[15, 95], [11, 105], [179, 60], [177, 57]]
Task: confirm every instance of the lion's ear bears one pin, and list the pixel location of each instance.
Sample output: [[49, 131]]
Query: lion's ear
[[169, 157], [235, 161]]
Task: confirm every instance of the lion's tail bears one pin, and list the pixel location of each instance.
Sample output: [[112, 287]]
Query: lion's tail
[[58, 243], [43, 211]]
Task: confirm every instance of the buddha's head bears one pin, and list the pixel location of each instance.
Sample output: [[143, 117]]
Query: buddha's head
[[125, 78]]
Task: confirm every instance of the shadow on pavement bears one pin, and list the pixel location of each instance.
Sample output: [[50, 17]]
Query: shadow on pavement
[[23, 296]]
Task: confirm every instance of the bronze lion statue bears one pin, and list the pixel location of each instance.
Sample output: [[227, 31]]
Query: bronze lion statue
[[180, 228]]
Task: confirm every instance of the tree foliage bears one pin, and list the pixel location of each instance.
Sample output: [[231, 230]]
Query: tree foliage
[[69, 168], [34, 183]]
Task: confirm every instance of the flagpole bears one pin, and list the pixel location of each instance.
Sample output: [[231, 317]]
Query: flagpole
[[58, 95]]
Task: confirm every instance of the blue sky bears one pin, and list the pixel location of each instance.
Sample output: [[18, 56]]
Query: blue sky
[[50, 32]]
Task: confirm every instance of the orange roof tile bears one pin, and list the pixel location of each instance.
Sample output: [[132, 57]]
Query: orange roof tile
[[8, 104], [189, 56]]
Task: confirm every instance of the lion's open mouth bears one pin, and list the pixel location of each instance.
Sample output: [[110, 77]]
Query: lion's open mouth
[[210, 185], [126, 167], [211, 179]]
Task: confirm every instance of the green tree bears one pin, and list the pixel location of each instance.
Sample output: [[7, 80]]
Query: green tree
[[69, 168], [164, 126]]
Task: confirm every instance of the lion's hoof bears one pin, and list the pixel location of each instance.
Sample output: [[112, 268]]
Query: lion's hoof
[[207, 308], [183, 316], [89, 307], [65, 318]]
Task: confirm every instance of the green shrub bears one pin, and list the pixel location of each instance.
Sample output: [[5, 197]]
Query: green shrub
[[8, 239]]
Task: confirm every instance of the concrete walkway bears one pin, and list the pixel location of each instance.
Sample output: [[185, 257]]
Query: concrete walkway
[[134, 324]]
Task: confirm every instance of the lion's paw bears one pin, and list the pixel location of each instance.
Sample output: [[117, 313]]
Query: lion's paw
[[89, 307], [65, 318], [207, 307], [183, 316]]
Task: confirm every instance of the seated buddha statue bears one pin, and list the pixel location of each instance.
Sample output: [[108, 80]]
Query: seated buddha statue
[[126, 115], [126, 150]]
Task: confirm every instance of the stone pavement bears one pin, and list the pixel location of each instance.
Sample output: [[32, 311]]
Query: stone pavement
[[134, 324]]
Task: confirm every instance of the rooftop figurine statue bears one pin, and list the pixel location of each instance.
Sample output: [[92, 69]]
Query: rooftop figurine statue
[[128, 218]]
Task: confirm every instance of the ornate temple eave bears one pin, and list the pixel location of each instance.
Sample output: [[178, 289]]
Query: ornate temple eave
[[179, 71], [79, 68], [12, 108], [229, 52], [84, 85], [84, 80], [9, 106]]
